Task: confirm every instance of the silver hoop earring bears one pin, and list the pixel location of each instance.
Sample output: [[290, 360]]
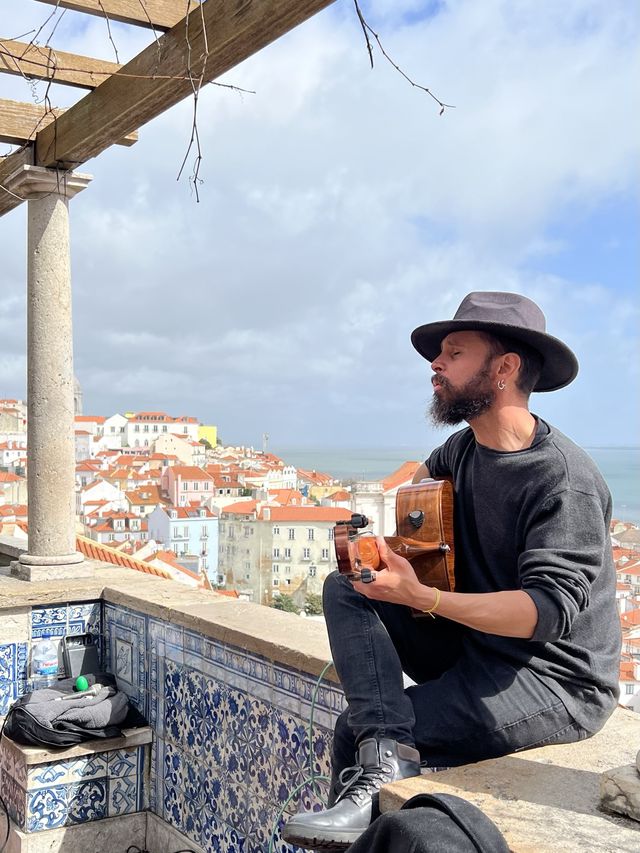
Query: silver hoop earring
[[501, 385]]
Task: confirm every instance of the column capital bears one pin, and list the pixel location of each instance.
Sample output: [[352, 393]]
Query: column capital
[[32, 182]]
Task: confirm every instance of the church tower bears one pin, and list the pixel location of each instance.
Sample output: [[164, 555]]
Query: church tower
[[77, 397]]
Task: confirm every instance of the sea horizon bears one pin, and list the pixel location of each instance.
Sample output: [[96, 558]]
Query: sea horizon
[[619, 465]]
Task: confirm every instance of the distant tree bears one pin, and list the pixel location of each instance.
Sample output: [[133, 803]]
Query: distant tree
[[245, 493], [206, 444], [313, 604], [286, 603]]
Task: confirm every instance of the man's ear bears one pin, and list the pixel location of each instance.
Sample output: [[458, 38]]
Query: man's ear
[[509, 365]]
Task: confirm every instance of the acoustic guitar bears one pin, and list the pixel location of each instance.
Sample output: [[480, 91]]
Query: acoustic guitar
[[424, 535]]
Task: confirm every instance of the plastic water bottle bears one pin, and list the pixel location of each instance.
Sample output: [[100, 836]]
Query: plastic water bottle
[[44, 660]]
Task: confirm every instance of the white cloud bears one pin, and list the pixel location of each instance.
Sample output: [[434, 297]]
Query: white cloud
[[338, 211]]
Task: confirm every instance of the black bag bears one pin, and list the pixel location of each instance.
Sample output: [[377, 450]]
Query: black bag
[[432, 823], [45, 717]]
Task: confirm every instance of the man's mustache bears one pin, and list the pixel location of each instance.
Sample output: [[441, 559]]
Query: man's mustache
[[436, 379]]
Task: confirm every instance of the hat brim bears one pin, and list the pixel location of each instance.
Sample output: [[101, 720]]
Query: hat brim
[[559, 368]]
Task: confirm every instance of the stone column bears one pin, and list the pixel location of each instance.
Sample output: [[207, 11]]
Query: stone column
[[51, 551]]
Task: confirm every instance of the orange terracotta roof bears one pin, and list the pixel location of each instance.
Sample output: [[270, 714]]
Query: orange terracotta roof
[[287, 497], [630, 619], [316, 477], [94, 419], [190, 472], [241, 508], [95, 551], [7, 477], [402, 475], [13, 509], [190, 512], [340, 495], [305, 513]]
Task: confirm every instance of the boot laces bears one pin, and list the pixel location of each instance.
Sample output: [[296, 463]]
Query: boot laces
[[359, 782]]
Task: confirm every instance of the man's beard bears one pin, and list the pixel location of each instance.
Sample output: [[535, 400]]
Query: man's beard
[[450, 407]]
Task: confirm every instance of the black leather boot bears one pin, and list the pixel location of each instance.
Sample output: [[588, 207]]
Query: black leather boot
[[335, 828]]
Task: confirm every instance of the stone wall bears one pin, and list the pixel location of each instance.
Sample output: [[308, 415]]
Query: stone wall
[[229, 688]]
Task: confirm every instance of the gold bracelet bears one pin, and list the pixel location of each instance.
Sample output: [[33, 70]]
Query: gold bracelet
[[432, 609]]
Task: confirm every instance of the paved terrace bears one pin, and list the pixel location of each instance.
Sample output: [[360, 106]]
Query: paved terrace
[[229, 691]]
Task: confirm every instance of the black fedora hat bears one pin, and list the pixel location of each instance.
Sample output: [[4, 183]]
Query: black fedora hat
[[507, 314]]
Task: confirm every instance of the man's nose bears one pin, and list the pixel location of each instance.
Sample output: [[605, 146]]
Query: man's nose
[[435, 364]]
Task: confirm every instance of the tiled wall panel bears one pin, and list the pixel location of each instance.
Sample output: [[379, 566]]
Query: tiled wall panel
[[232, 740]]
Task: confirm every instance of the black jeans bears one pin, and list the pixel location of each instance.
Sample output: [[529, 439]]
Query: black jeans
[[464, 707]]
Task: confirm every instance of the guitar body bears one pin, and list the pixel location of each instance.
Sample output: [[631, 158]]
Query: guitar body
[[435, 499], [424, 536]]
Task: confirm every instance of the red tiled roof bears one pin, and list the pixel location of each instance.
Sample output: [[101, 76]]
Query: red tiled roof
[[190, 472], [403, 474], [306, 513], [190, 511], [95, 551], [8, 477], [316, 477], [242, 507], [340, 495]]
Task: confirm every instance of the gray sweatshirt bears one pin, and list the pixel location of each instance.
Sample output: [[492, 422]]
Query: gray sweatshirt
[[538, 520]]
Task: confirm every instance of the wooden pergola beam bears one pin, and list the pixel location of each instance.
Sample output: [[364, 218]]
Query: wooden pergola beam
[[45, 63], [155, 14], [221, 33], [20, 122]]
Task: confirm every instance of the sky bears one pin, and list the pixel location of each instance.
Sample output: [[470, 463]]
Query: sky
[[338, 211]]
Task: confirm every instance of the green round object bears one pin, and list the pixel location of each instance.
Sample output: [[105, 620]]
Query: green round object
[[82, 683]]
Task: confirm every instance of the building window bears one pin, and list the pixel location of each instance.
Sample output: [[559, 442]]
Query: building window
[[276, 531], [325, 553], [185, 429], [186, 531], [206, 487], [629, 689], [136, 428], [276, 581], [164, 428], [275, 569], [155, 427], [146, 428], [330, 534], [306, 553], [276, 552], [287, 553], [312, 571], [292, 533], [287, 582], [310, 534]]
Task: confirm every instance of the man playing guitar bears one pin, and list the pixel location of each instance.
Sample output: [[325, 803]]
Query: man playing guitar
[[525, 651]]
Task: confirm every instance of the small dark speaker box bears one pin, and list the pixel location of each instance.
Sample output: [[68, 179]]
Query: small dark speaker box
[[79, 654]]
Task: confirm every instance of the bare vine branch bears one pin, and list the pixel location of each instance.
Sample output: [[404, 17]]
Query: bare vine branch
[[106, 17], [366, 28]]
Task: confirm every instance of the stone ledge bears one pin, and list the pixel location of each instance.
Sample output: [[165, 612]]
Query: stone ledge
[[108, 835], [544, 800], [281, 637], [30, 755]]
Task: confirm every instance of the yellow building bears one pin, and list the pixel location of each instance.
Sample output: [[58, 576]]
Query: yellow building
[[208, 432]]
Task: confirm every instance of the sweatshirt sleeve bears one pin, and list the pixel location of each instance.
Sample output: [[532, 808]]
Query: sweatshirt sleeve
[[563, 554]]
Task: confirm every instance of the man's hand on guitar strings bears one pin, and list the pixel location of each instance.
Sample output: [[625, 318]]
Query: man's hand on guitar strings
[[396, 580]]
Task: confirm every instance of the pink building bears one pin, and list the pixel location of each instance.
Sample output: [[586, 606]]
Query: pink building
[[186, 484]]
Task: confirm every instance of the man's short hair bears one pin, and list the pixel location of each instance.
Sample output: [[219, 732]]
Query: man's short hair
[[531, 360]]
